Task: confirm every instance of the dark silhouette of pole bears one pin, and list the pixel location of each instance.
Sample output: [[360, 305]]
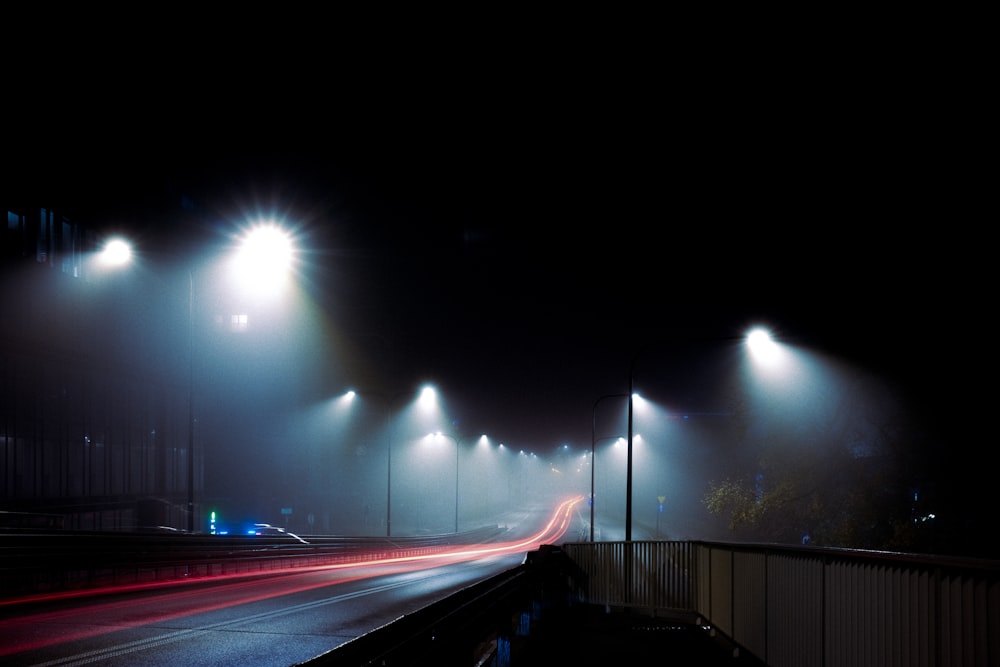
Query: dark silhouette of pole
[[388, 401], [593, 460], [628, 486], [456, 441], [190, 502], [628, 478], [631, 391], [388, 455], [388, 470]]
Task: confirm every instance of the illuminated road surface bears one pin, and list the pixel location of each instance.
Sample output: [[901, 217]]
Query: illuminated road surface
[[276, 619]]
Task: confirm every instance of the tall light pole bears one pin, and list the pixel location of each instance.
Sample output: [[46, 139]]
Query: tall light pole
[[758, 340], [118, 252], [265, 251], [439, 434], [593, 448], [389, 401], [628, 458], [262, 261], [190, 345]]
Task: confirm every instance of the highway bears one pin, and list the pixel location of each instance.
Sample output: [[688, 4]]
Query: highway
[[280, 619]]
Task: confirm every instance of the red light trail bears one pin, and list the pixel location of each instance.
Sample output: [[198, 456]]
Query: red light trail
[[244, 589]]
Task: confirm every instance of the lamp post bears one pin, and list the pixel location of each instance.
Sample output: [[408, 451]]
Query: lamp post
[[190, 345], [628, 458], [388, 401], [593, 448], [439, 434], [264, 251], [759, 342], [118, 252]]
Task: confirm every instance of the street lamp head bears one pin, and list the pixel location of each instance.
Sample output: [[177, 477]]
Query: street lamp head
[[264, 258], [428, 405], [117, 252], [761, 343]]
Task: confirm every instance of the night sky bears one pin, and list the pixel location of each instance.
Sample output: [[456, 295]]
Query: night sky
[[530, 256], [517, 221]]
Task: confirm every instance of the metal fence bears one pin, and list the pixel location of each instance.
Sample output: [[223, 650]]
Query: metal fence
[[799, 607]]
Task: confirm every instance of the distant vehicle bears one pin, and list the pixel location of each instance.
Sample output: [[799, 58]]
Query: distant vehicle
[[167, 530], [274, 531]]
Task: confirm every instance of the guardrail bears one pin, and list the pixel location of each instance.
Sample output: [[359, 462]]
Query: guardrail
[[799, 607], [474, 626], [786, 606], [50, 561]]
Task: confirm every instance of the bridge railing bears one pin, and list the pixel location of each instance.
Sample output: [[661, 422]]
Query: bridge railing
[[799, 607], [47, 561]]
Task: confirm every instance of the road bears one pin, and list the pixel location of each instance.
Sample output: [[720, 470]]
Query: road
[[275, 619]]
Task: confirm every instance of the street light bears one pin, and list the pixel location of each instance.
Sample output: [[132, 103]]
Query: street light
[[439, 434], [593, 447], [117, 252], [758, 341], [263, 259], [425, 398], [265, 250]]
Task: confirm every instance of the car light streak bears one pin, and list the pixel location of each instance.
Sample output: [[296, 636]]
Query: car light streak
[[179, 604]]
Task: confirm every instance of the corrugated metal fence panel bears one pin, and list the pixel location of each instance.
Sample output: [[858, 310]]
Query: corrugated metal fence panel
[[988, 611], [794, 611], [703, 583], [661, 575], [798, 608], [890, 615], [681, 572], [876, 615], [750, 601], [643, 582], [603, 564], [721, 572], [969, 620]]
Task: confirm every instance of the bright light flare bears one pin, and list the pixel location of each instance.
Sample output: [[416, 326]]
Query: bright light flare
[[345, 400], [117, 252], [773, 363], [760, 342], [264, 258], [428, 397], [763, 348]]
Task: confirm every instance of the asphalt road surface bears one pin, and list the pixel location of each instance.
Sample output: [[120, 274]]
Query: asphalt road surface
[[276, 619]]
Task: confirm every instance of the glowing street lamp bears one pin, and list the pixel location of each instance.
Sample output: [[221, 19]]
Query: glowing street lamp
[[262, 263], [439, 434], [117, 252], [265, 252], [426, 399], [264, 259], [758, 342]]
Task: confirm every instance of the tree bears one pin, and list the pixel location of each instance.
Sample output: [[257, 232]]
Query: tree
[[831, 474]]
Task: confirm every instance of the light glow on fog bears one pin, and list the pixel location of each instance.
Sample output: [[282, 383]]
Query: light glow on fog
[[264, 259], [117, 252]]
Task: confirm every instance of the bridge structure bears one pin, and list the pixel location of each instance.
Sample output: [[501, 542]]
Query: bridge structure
[[580, 602], [718, 603]]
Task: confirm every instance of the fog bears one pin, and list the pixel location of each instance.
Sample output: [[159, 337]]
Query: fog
[[257, 382]]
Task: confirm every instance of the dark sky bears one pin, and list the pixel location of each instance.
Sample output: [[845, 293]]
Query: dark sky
[[520, 217]]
